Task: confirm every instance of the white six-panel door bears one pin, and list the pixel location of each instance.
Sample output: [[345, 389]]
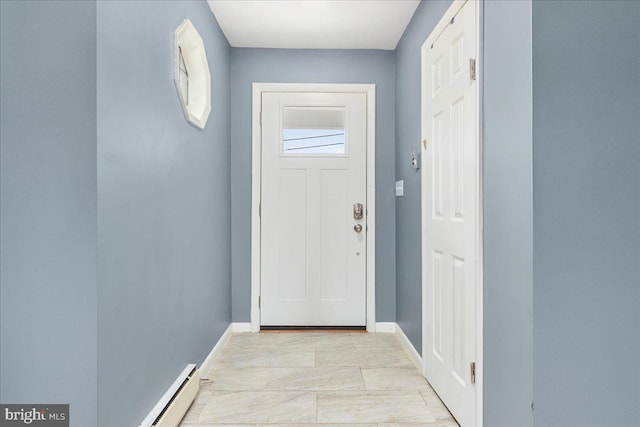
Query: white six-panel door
[[450, 211], [313, 260]]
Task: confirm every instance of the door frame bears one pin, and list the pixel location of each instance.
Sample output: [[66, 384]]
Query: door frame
[[435, 33], [256, 178]]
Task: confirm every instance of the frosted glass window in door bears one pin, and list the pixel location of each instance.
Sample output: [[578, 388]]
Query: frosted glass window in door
[[313, 130]]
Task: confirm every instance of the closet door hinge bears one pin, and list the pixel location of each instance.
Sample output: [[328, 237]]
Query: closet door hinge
[[472, 69], [473, 372]]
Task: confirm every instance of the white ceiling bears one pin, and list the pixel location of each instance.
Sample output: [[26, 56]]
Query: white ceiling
[[314, 24]]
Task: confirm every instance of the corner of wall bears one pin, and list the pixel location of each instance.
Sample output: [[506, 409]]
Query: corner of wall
[[506, 112]]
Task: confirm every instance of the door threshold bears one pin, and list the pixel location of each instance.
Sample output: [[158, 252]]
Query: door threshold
[[323, 329]]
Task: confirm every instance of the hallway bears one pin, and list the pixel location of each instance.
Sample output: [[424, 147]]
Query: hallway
[[131, 203], [315, 379]]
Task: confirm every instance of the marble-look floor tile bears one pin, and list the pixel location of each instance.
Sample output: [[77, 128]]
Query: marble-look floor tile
[[343, 425], [318, 379], [380, 341], [393, 379], [237, 379], [276, 379], [275, 357], [193, 414], [192, 417], [301, 341], [291, 379], [220, 425], [252, 407], [316, 341], [365, 358], [290, 425], [253, 341], [435, 405], [307, 425], [451, 423], [377, 407]]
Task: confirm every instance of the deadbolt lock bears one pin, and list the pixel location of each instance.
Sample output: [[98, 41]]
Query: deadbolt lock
[[357, 228], [358, 211]]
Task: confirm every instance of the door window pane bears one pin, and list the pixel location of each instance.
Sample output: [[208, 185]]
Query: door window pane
[[314, 130]]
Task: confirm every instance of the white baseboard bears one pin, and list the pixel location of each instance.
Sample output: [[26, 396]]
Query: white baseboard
[[178, 407], [241, 327], [394, 328], [409, 348], [386, 327], [233, 328], [208, 361]]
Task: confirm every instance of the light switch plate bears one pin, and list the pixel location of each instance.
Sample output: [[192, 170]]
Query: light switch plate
[[400, 188]]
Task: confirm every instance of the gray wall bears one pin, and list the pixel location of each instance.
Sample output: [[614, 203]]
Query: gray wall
[[507, 211], [163, 207], [48, 205], [586, 176], [506, 86], [311, 66], [408, 137]]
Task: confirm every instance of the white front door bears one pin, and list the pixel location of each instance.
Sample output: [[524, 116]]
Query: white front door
[[450, 209], [313, 209]]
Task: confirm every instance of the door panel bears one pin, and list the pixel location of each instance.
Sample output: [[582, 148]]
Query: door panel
[[292, 258], [334, 222], [313, 262], [450, 212]]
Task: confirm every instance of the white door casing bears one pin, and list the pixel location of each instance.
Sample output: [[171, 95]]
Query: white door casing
[[319, 171], [450, 211]]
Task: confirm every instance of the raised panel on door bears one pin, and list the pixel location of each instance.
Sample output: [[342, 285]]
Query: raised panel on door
[[334, 233], [292, 258], [458, 362]]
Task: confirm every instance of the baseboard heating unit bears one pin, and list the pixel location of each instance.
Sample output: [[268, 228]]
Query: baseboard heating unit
[[171, 408]]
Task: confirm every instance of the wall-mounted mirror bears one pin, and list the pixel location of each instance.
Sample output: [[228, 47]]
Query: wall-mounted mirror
[[192, 77]]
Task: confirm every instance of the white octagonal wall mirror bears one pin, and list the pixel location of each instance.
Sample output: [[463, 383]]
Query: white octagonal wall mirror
[[192, 77]]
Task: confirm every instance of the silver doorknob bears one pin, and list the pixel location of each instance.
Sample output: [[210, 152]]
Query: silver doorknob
[[357, 228]]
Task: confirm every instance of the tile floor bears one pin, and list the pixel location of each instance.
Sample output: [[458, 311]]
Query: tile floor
[[297, 379]]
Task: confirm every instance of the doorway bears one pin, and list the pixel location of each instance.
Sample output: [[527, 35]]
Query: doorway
[[314, 206]]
